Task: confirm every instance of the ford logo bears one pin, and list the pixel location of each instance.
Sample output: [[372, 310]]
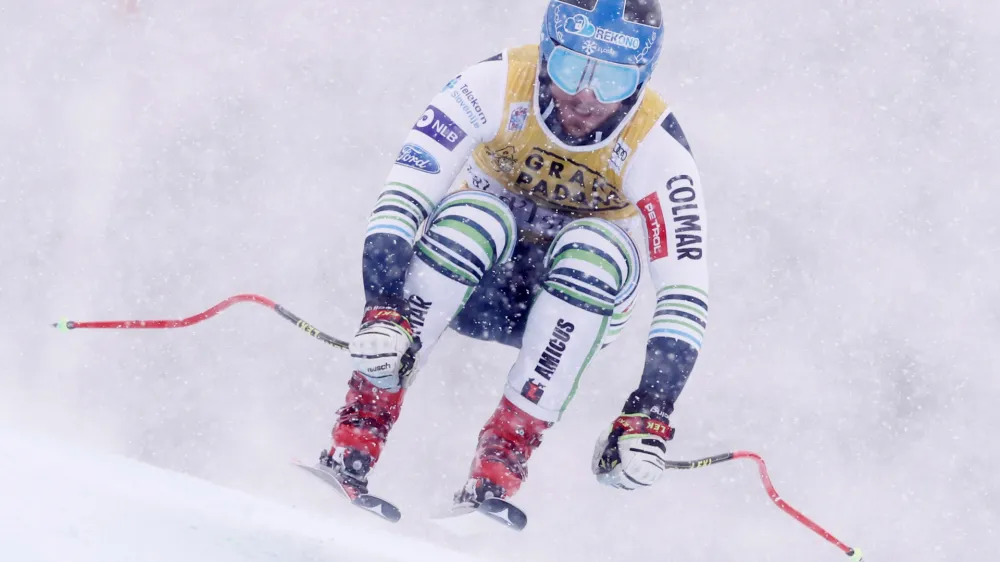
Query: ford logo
[[413, 156]]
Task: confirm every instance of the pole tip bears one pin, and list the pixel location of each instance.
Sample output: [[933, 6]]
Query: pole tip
[[63, 325], [856, 555]]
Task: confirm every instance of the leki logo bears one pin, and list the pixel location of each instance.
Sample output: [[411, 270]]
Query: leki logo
[[308, 328], [655, 427]]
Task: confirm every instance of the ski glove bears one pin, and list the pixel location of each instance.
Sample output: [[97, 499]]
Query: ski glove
[[632, 454], [383, 350]]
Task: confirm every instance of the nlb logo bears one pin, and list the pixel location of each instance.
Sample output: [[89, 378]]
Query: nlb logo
[[438, 126], [413, 156]]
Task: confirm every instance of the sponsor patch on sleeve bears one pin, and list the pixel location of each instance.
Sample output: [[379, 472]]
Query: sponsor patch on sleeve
[[619, 156], [417, 157], [518, 116], [469, 102], [656, 227], [438, 126], [533, 391]]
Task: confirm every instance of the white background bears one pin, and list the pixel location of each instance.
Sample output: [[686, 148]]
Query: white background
[[152, 165]]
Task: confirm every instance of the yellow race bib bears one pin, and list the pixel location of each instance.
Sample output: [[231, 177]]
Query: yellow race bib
[[528, 162]]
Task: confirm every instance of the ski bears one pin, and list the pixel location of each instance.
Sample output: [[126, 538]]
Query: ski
[[358, 497], [494, 509], [504, 512]]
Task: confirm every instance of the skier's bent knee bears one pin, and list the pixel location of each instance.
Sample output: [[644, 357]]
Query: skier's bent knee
[[594, 265], [469, 234]]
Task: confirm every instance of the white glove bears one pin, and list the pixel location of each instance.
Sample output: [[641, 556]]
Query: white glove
[[633, 453], [381, 348]]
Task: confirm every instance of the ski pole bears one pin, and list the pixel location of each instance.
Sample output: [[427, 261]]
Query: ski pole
[[66, 325], [306, 327], [765, 479]]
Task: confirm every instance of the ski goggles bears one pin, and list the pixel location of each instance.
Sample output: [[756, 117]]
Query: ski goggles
[[573, 72]]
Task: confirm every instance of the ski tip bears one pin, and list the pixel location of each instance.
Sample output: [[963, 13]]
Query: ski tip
[[855, 555], [379, 507], [63, 325], [504, 512]]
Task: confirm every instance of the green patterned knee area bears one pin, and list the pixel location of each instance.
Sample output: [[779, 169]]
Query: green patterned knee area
[[594, 265], [469, 233]]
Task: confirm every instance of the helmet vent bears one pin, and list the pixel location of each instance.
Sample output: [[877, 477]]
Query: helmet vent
[[582, 4], [644, 12]]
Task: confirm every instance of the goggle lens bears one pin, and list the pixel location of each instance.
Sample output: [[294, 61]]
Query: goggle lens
[[573, 72]]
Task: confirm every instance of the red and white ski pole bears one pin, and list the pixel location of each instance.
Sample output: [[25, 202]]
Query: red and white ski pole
[[765, 479], [308, 328]]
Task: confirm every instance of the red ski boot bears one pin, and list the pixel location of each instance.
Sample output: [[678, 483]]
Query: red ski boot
[[361, 430], [505, 445]]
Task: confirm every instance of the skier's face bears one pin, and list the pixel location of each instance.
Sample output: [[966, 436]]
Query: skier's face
[[580, 113]]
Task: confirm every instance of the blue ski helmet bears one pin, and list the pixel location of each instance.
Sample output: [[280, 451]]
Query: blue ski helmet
[[623, 32]]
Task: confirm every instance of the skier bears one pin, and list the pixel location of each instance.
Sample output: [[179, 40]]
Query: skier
[[512, 214]]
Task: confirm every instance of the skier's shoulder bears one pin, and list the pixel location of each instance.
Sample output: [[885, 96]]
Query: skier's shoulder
[[523, 55], [492, 68], [655, 123], [481, 90], [656, 132], [475, 96], [662, 154], [496, 71]]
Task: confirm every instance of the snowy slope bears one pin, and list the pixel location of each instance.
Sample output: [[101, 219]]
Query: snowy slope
[[151, 166], [64, 503]]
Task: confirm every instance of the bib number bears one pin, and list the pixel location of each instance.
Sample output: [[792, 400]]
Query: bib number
[[536, 220]]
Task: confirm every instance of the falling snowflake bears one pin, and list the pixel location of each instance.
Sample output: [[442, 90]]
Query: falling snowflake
[[589, 47]]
